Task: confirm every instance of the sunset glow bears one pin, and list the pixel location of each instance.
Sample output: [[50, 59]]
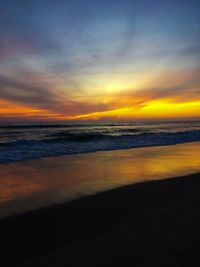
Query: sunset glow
[[115, 60]]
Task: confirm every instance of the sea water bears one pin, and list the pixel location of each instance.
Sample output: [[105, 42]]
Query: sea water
[[27, 141]]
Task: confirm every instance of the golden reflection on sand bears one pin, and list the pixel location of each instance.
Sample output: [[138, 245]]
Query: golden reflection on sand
[[34, 183]]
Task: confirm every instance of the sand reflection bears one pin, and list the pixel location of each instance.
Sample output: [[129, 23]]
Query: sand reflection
[[31, 184]]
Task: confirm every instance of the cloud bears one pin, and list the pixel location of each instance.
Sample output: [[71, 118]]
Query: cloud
[[44, 98], [24, 92], [61, 58], [177, 87]]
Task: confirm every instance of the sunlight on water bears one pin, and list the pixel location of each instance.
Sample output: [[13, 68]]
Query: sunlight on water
[[32, 184]]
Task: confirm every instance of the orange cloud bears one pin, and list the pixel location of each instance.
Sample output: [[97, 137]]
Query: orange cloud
[[152, 110], [15, 111], [174, 95]]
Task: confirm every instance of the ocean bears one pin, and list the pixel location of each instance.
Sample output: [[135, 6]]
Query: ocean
[[24, 141]]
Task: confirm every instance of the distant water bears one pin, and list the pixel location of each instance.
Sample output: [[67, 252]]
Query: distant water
[[28, 141]]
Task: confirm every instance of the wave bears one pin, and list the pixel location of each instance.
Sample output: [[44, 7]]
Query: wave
[[88, 142], [80, 137]]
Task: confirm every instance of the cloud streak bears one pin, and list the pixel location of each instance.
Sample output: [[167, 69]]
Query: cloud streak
[[70, 59]]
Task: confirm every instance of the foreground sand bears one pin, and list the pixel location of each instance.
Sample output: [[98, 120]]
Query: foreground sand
[[151, 223], [154, 223]]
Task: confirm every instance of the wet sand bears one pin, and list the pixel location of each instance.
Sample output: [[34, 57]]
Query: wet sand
[[154, 223], [33, 184], [151, 223]]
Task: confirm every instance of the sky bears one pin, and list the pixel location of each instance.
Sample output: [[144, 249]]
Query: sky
[[99, 60]]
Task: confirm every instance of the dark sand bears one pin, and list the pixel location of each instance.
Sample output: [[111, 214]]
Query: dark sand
[[155, 223]]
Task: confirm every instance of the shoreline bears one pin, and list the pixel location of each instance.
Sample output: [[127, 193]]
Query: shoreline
[[155, 223], [41, 182], [135, 207], [32, 184], [106, 150]]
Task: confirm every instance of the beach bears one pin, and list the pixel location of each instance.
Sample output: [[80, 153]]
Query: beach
[[100, 133], [33, 184], [140, 209]]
